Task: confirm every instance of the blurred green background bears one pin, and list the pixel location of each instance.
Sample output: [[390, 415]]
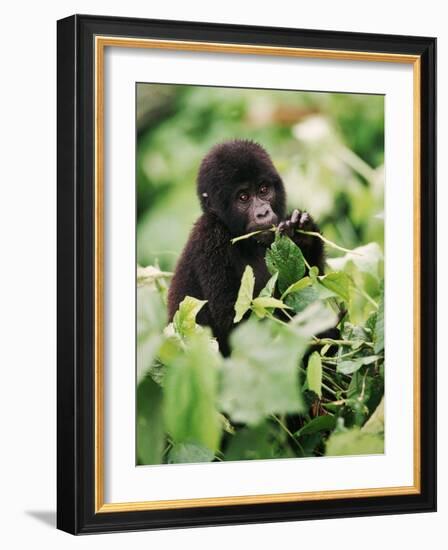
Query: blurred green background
[[328, 148]]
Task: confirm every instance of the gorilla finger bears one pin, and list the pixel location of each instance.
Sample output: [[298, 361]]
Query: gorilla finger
[[295, 217], [304, 219], [284, 227]]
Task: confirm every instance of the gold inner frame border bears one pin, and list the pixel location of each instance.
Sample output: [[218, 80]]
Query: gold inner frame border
[[101, 42]]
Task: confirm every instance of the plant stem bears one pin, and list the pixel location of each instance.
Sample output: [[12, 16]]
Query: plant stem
[[252, 234], [330, 380], [329, 389], [272, 318], [345, 355], [367, 296], [303, 232], [290, 434], [363, 387], [306, 263], [327, 241], [290, 317], [323, 341]]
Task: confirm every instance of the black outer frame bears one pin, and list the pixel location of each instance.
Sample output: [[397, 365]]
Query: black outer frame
[[75, 294]]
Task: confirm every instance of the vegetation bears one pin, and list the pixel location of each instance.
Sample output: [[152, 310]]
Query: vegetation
[[283, 392]]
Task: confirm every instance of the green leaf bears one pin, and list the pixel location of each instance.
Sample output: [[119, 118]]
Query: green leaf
[[261, 376], [190, 393], [324, 349], [267, 301], [262, 306], [314, 373], [184, 320], [338, 282], [151, 319], [355, 388], [364, 395], [286, 258], [268, 289], [349, 367], [379, 324], [147, 276], [308, 290], [150, 431], [375, 424], [366, 258], [252, 444], [299, 301], [170, 349], [371, 322], [297, 286], [189, 453], [318, 424], [245, 294], [314, 319], [322, 292], [355, 333], [147, 349], [157, 371], [151, 312], [354, 442], [373, 392]]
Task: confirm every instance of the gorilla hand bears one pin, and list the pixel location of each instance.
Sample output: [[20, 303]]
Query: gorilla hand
[[311, 247], [298, 220]]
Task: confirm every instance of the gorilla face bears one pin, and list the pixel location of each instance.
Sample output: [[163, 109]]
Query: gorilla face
[[238, 183], [253, 205]]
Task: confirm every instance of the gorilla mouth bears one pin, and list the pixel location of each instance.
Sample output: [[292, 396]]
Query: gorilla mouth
[[259, 227], [262, 226], [266, 238]]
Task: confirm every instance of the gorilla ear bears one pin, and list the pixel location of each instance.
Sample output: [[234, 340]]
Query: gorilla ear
[[204, 201]]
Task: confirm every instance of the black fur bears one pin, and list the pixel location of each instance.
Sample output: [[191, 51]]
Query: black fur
[[210, 267]]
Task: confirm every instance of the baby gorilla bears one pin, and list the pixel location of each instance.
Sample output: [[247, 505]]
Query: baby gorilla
[[240, 191]]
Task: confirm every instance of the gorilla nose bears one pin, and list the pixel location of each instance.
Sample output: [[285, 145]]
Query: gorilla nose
[[262, 214]]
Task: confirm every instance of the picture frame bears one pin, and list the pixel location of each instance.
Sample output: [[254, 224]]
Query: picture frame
[[82, 41]]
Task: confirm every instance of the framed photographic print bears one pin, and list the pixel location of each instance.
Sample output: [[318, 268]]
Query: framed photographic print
[[246, 274]]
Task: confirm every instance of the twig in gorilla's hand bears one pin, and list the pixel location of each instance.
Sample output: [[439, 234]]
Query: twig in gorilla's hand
[[327, 241], [309, 233]]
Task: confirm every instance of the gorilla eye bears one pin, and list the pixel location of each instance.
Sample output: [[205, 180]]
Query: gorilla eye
[[264, 189], [244, 197]]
